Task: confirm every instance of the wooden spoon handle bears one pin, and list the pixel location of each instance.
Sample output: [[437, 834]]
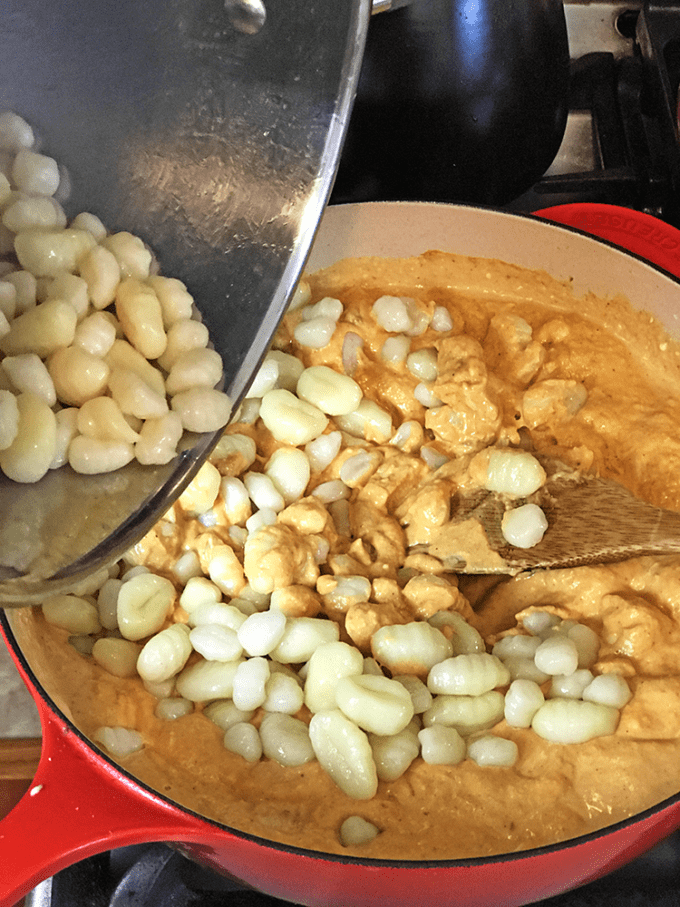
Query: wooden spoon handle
[[19, 757]]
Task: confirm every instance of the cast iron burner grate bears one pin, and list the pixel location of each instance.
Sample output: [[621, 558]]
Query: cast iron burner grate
[[146, 875], [632, 105], [152, 875]]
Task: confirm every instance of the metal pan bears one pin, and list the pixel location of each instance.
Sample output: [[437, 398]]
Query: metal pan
[[212, 131]]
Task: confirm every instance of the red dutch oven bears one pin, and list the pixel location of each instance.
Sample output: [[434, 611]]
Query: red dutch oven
[[80, 803]]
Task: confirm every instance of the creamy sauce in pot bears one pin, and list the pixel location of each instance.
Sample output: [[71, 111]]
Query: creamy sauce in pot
[[626, 429]]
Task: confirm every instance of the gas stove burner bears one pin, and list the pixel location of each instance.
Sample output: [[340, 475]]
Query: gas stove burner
[[146, 875], [621, 144], [151, 875], [632, 102]]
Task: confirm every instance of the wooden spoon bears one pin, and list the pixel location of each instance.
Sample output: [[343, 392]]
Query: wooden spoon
[[590, 521]]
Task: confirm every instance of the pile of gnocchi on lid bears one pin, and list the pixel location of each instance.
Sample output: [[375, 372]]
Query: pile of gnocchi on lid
[[104, 360]]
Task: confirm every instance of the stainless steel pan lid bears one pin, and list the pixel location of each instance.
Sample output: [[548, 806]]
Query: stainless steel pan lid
[[211, 131]]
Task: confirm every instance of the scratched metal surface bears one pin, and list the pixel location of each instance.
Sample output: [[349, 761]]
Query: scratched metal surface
[[213, 136]]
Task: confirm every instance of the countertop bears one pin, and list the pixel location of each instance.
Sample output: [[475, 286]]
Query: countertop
[[19, 734], [18, 713]]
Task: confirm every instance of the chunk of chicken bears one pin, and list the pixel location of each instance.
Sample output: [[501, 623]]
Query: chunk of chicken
[[278, 556]]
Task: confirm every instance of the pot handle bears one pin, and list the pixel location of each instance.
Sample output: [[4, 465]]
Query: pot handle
[[78, 805]]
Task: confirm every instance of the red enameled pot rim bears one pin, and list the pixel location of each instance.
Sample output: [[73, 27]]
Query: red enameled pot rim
[[638, 233]]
